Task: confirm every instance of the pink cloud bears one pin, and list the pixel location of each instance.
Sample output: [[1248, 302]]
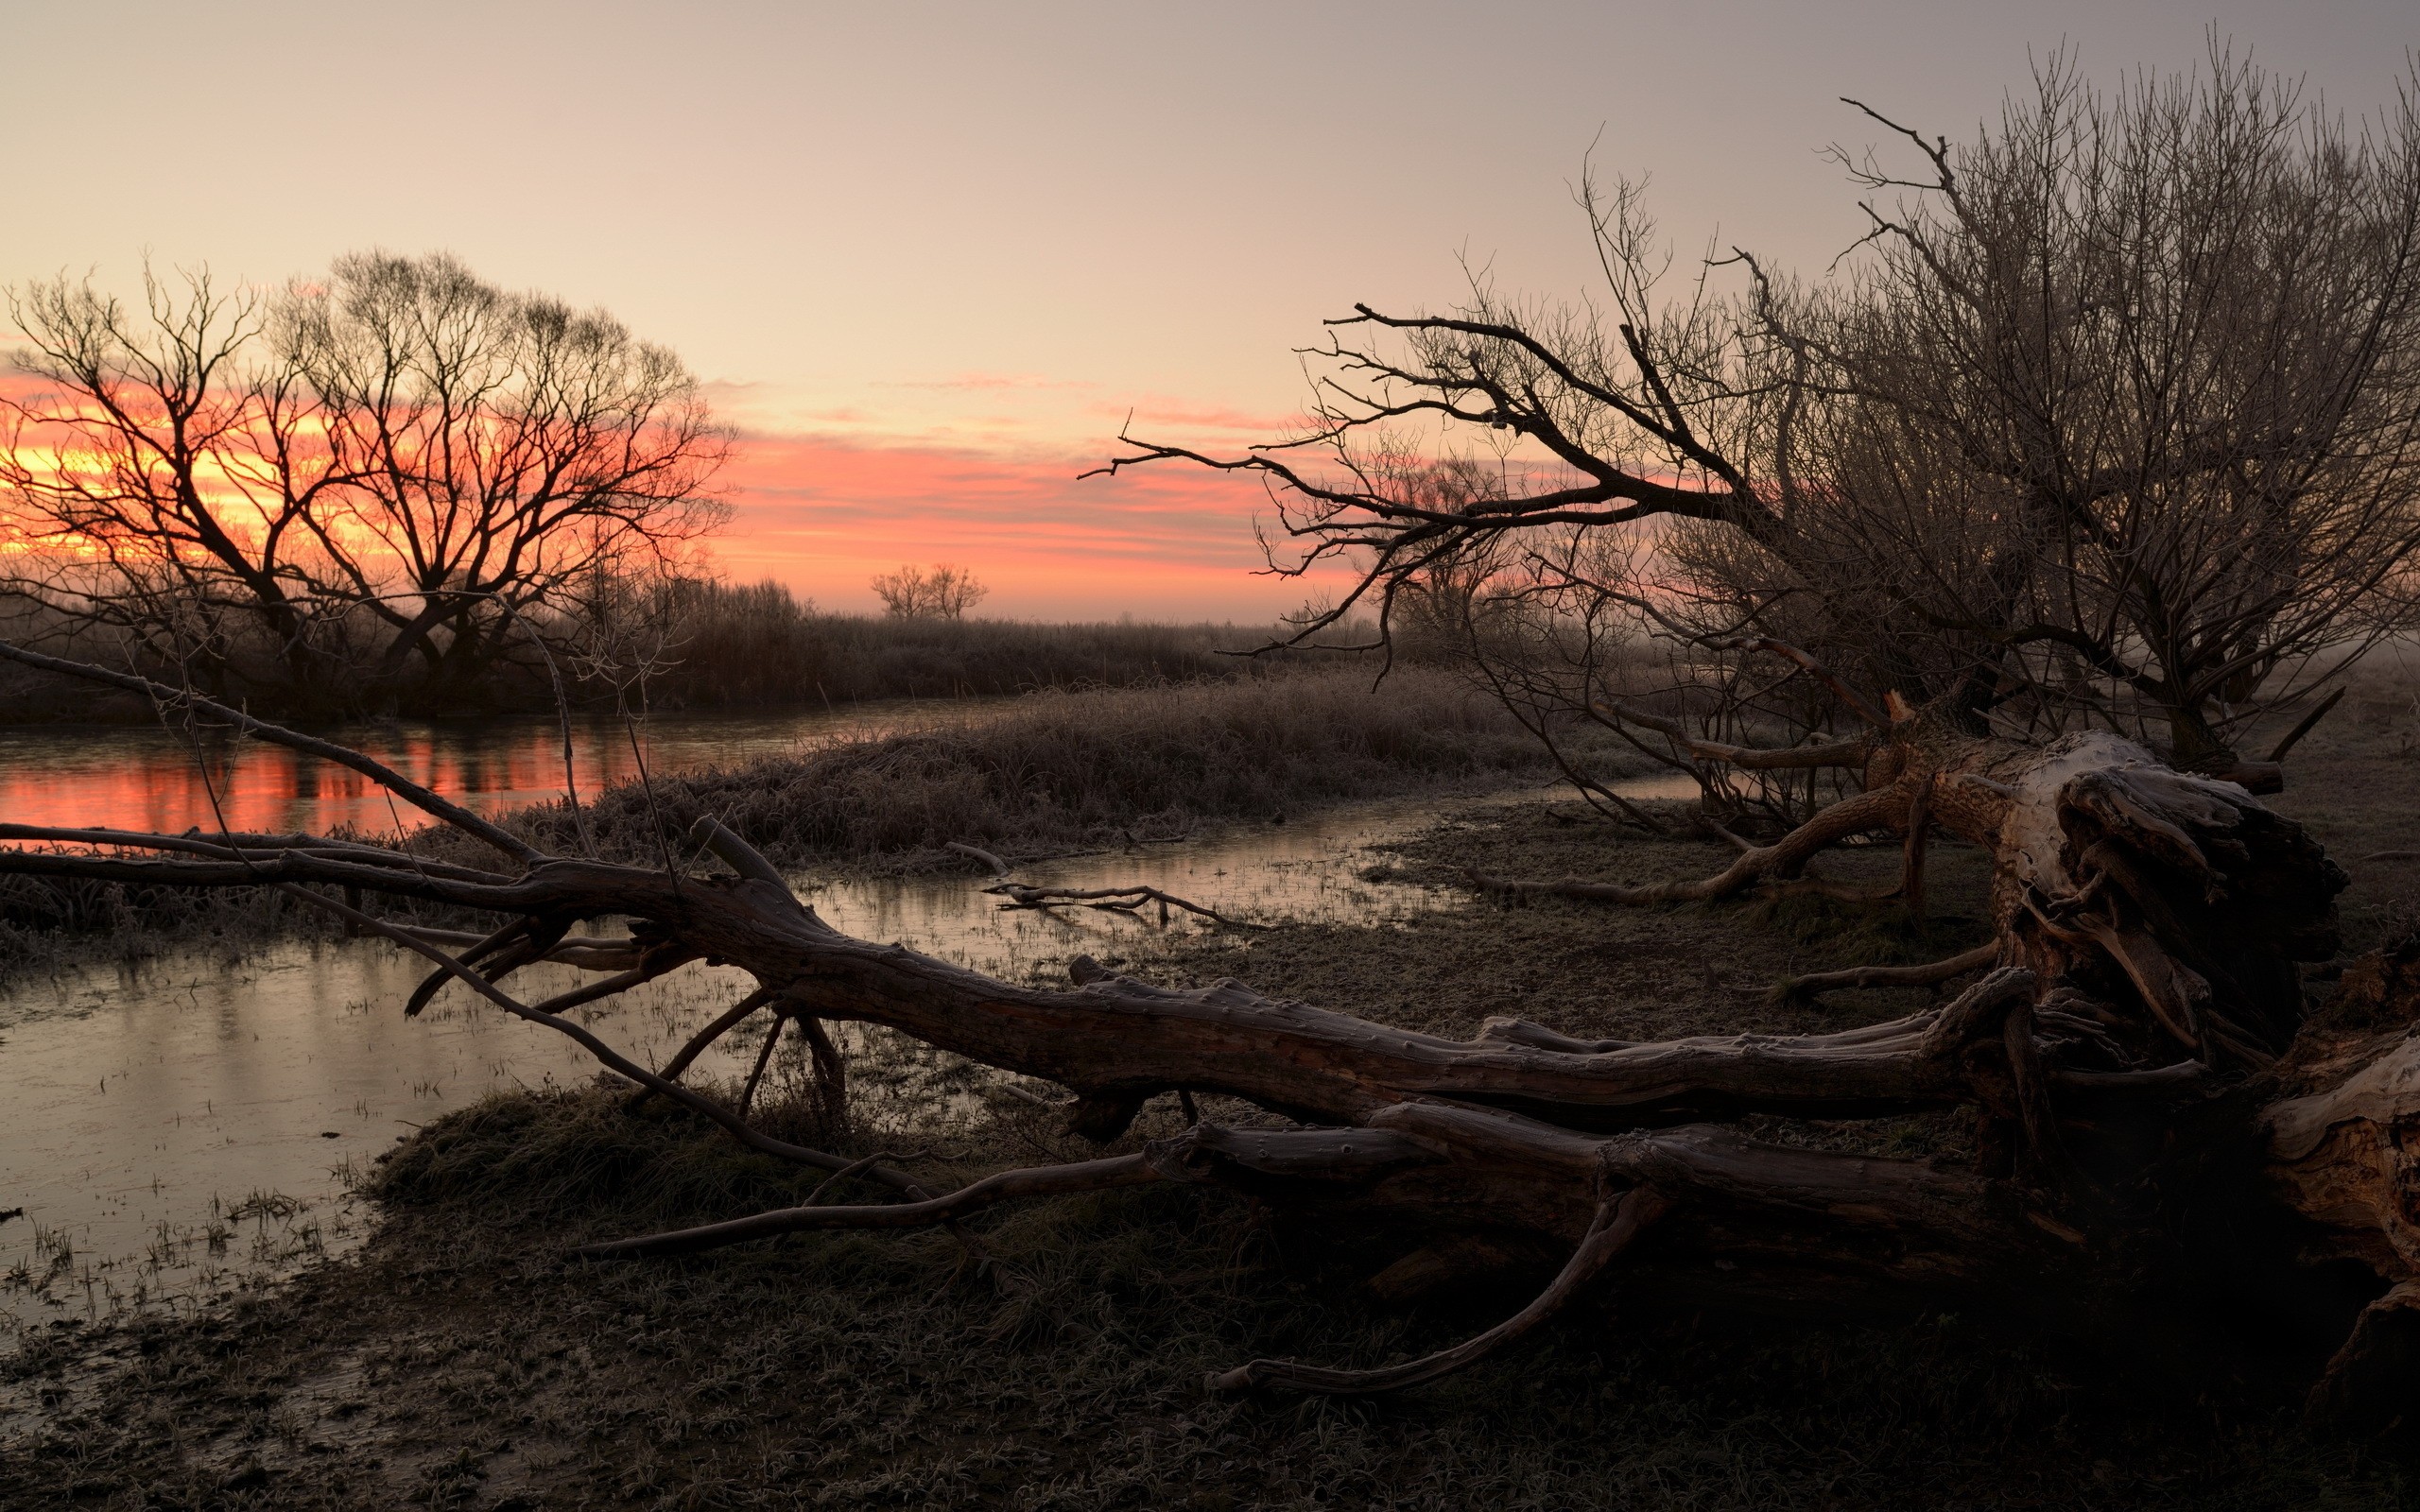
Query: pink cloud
[[825, 513]]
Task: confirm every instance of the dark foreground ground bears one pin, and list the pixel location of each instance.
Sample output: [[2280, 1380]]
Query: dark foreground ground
[[459, 1360]]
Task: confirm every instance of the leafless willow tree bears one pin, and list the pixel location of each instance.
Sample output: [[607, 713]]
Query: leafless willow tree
[[2150, 363], [385, 480], [936, 592], [2111, 423]]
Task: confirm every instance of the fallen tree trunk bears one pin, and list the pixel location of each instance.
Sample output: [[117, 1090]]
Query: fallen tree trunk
[[2136, 1049]]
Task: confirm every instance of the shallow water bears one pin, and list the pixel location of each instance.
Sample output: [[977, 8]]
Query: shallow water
[[142, 776], [187, 1125]]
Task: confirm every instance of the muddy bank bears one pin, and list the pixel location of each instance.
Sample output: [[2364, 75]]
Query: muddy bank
[[458, 1360]]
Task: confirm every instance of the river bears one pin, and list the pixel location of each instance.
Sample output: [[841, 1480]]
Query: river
[[143, 777], [182, 1127]]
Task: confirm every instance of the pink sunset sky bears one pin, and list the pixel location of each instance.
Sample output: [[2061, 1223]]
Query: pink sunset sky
[[929, 257]]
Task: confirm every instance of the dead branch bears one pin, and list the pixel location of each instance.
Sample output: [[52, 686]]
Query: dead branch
[[1007, 1186], [1618, 1223], [1931, 973], [700, 1042], [1850, 753], [999, 867], [1114, 899], [1779, 861], [1109, 900]]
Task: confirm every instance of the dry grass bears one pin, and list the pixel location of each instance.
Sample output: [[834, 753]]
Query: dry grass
[[1048, 773], [759, 645], [1060, 771]]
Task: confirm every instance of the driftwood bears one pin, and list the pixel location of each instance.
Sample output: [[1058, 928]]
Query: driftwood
[[2135, 1056], [1107, 900]]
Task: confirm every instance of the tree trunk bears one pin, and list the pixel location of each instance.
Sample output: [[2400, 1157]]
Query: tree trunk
[[2135, 1057]]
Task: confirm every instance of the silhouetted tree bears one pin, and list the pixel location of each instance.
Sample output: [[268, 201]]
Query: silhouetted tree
[[941, 591], [348, 489]]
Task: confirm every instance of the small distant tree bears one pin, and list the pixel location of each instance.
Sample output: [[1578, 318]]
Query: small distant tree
[[935, 592]]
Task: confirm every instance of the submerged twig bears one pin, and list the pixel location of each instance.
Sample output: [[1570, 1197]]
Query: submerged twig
[[1109, 900]]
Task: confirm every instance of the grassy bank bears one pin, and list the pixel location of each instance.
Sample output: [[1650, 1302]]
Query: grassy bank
[[1048, 773], [1058, 772]]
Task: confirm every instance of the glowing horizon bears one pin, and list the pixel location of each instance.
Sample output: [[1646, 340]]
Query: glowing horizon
[[986, 471], [824, 514]]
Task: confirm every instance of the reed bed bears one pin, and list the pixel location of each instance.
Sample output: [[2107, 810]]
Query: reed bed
[[761, 646], [1058, 772]]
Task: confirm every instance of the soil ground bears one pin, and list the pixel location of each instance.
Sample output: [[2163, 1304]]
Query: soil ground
[[459, 1361]]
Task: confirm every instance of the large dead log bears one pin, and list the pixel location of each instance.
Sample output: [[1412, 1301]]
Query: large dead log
[[2136, 1050]]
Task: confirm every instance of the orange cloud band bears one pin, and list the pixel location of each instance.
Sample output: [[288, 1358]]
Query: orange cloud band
[[1168, 541]]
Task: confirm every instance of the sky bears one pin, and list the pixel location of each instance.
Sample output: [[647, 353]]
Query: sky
[[929, 258]]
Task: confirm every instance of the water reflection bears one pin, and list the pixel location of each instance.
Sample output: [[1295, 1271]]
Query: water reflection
[[142, 777], [185, 1125], [178, 1128]]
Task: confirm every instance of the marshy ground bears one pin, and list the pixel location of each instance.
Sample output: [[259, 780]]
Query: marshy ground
[[459, 1360]]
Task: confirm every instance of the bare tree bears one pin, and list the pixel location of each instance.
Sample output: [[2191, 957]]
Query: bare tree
[[2114, 425], [937, 592], [160, 481], [382, 473], [505, 449], [2167, 342]]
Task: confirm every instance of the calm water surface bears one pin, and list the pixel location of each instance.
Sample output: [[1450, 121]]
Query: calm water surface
[[142, 777], [190, 1124]]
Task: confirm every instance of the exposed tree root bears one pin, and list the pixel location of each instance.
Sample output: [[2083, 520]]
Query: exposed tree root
[[1931, 973]]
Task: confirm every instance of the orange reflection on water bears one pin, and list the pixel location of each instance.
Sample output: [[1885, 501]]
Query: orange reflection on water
[[144, 777]]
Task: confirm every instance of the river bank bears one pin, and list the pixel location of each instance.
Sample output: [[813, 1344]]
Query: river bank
[[454, 1359], [864, 792], [171, 1060]]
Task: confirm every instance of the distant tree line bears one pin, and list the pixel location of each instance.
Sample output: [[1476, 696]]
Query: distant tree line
[[939, 591], [697, 643]]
